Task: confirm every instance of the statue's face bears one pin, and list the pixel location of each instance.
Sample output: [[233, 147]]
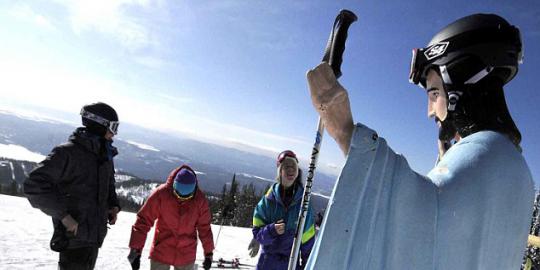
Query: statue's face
[[437, 101]]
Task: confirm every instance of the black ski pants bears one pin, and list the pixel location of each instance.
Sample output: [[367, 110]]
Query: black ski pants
[[78, 258]]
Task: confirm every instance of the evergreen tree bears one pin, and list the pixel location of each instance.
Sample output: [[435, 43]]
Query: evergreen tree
[[247, 201], [222, 204], [216, 205], [128, 204], [235, 207], [13, 188], [230, 203]]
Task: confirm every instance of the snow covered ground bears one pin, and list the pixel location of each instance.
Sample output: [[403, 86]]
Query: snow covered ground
[[143, 146], [18, 152], [25, 233]]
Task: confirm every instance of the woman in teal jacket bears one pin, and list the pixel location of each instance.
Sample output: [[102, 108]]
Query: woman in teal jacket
[[276, 217]]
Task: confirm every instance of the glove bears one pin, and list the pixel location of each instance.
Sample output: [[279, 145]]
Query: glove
[[113, 215], [134, 258], [253, 248], [208, 261], [331, 101]]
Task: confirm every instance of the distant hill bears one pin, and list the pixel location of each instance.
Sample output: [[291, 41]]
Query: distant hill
[[149, 154]]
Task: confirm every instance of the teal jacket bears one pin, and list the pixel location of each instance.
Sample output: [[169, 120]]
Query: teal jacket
[[276, 249]]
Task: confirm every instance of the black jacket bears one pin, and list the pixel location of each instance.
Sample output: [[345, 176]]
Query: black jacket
[[76, 178]]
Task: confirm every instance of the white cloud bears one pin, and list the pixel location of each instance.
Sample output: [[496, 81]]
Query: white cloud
[[25, 13], [111, 18], [43, 22], [250, 147], [151, 62], [266, 142], [174, 100], [45, 85]]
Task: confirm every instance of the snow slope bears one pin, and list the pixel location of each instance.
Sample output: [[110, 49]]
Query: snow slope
[[19, 153], [143, 146], [25, 233]]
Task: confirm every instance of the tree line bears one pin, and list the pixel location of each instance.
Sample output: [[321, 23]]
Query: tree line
[[233, 207]]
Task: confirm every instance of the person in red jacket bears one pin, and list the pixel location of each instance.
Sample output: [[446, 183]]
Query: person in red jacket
[[181, 210]]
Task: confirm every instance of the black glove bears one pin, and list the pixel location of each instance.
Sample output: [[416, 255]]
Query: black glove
[[207, 261], [253, 248], [134, 259]]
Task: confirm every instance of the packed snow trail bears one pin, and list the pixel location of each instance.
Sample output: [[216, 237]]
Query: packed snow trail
[[25, 234]]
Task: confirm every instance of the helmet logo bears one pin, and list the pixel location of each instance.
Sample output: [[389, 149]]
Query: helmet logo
[[436, 50]]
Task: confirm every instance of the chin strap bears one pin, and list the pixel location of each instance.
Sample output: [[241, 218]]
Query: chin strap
[[454, 93]]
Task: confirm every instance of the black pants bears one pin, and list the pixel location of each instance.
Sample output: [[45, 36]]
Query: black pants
[[78, 258]]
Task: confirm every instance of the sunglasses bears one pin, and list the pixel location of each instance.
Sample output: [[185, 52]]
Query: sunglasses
[[112, 126], [284, 154]]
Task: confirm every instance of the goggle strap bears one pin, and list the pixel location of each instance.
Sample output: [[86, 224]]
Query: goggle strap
[[444, 74], [480, 75], [111, 125]]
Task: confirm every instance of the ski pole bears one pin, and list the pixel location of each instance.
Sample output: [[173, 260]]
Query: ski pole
[[333, 55], [223, 216], [219, 231], [226, 209]]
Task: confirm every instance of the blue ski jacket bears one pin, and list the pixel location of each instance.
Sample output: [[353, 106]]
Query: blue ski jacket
[[276, 249]]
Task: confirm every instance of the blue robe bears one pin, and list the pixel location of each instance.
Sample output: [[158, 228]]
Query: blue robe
[[472, 211]]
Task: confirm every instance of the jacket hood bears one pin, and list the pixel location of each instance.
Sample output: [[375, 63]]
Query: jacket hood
[[172, 175]]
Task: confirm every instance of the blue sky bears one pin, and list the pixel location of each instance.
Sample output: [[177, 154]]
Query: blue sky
[[234, 71]]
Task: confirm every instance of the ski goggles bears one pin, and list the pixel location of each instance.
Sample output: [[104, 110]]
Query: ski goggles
[[416, 63], [284, 154], [183, 198], [112, 126], [422, 58]]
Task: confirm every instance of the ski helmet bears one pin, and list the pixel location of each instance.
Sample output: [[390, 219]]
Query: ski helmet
[[99, 117], [475, 56], [469, 49]]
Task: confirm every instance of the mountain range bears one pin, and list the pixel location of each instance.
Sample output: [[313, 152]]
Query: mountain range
[[148, 154]]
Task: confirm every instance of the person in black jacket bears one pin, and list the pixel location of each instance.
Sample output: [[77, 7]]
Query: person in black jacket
[[75, 186]]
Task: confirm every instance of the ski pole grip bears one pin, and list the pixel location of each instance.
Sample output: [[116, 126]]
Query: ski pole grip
[[335, 47]]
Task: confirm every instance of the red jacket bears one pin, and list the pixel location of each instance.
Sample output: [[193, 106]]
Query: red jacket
[[175, 238]]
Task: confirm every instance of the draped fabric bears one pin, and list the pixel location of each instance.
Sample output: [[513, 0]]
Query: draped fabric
[[472, 211]]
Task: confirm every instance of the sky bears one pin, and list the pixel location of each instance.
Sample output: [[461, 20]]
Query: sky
[[233, 72]]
